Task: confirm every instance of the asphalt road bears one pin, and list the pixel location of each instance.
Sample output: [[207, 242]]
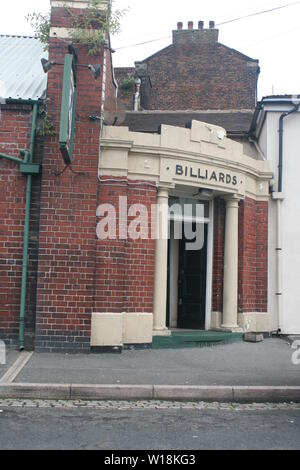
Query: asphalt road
[[176, 428]]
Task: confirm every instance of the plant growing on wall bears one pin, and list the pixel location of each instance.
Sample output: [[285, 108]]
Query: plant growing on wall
[[127, 84], [92, 26], [89, 29], [41, 26], [45, 124]]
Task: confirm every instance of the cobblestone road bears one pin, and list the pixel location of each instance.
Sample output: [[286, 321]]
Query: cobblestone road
[[145, 405]]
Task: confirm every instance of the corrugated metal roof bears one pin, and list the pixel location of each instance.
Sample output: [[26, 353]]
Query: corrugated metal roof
[[21, 73]]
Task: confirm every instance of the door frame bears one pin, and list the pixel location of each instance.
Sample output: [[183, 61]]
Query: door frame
[[209, 268]]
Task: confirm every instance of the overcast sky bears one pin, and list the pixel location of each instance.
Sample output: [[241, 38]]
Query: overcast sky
[[272, 38]]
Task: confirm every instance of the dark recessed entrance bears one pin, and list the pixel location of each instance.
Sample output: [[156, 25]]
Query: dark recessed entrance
[[187, 283], [192, 286]]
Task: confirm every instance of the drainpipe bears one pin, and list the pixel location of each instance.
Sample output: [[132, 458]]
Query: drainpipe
[[256, 145], [11, 159], [26, 232], [103, 94], [28, 159], [279, 198], [136, 105], [280, 166]]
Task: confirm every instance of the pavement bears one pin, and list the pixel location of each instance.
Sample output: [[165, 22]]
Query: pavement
[[11, 357], [238, 372]]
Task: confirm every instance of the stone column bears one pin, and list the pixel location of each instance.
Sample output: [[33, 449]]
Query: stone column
[[230, 293], [161, 264]]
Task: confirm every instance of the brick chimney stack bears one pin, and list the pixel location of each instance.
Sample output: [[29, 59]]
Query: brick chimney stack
[[196, 36]]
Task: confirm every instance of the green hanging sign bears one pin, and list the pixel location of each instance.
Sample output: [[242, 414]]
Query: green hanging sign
[[68, 109]]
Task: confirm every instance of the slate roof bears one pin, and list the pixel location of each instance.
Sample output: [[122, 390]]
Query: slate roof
[[235, 122]]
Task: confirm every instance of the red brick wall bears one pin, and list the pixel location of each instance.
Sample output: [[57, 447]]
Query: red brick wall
[[206, 77], [67, 229], [247, 255], [262, 214], [253, 256], [110, 266], [15, 126], [67, 256], [125, 268], [65, 17], [140, 255], [218, 255], [14, 134]]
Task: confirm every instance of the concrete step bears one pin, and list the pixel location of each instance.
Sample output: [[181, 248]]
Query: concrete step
[[195, 339]]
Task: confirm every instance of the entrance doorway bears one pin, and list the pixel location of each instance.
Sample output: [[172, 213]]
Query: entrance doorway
[[189, 276], [192, 286]]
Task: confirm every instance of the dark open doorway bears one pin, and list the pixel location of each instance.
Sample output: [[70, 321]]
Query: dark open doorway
[[191, 284]]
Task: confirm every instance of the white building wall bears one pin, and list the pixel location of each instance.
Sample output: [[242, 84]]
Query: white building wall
[[269, 142]]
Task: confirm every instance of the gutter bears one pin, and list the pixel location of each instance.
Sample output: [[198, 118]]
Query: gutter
[[254, 123], [21, 101], [29, 168]]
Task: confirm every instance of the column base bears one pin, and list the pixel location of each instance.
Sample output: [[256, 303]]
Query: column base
[[231, 329], [162, 332]]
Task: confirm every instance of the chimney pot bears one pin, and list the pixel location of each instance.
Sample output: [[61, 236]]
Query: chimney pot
[[179, 25], [191, 25], [200, 24], [211, 25]]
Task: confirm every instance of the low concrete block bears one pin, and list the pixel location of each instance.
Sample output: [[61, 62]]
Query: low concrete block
[[253, 337], [111, 392], [107, 329], [194, 393], [255, 322], [36, 391], [137, 328], [266, 394]]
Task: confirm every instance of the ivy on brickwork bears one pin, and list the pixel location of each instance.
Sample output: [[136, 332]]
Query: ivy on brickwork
[[89, 29], [92, 26], [45, 124]]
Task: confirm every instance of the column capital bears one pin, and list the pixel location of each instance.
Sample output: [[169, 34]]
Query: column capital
[[163, 192], [231, 197], [232, 201]]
